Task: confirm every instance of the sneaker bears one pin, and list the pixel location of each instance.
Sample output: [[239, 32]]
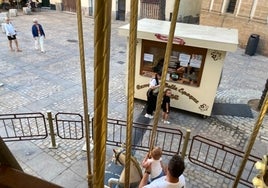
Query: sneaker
[[166, 122], [148, 116], [151, 117], [18, 50], [1, 84]]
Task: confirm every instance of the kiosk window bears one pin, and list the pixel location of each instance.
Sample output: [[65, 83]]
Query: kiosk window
[[185, 65]]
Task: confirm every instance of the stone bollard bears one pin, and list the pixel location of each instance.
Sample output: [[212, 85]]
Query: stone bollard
[[26, 10], [13, 12], [3, 15]]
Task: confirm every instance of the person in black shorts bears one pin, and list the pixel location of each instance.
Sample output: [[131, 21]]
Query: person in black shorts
[[166, 105], [11, 35]]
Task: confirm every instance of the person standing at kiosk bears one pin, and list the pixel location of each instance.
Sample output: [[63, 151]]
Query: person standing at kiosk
[[152, 95]]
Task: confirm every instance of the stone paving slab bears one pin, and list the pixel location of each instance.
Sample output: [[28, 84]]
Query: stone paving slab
[[36, 82]]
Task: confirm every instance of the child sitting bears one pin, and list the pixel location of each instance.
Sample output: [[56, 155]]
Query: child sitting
[[155, 160]]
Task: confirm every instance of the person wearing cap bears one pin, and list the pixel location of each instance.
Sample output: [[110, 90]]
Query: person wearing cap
[[38, 35], [11, 34]]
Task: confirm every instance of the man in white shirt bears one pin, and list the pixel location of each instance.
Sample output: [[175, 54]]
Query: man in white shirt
[[173, 179]]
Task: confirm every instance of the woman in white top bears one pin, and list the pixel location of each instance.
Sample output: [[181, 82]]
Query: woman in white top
[[152, 96]]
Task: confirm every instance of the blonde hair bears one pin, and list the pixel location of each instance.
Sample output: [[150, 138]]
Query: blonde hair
[[156, 153]]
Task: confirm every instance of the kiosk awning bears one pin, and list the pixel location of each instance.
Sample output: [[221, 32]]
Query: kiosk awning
[[209, 37]]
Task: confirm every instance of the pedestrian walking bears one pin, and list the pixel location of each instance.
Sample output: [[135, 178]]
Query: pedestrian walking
[[11, 34], [166, 105], [38, 35]]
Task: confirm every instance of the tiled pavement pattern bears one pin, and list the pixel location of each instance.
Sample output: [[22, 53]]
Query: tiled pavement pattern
[[37, 82]]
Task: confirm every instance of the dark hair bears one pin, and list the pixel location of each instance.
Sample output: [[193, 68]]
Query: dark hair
[[159, 66], [156, 78], [176, 166], [167, 90]]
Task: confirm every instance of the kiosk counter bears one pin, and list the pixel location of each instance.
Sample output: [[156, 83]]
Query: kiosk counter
[[195, 65]]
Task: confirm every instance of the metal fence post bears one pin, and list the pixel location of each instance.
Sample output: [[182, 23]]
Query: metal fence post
[[91, 136], [51, 131], [185, 143], [84, 148]]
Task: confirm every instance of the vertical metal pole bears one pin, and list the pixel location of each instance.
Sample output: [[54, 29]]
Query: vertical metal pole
[[102, 36], [185, 143], [51, 131], [165, 68], [131, 82], [84, 88], [252, 140]]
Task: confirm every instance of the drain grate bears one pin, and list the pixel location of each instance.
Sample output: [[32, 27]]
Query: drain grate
[[71, 40]]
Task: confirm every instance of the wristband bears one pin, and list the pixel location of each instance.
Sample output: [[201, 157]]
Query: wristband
[[147, 172]]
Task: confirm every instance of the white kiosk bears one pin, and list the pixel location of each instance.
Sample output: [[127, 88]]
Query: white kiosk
[[195, 65]]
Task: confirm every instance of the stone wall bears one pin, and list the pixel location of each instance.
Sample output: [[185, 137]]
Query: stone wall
[[243, 19]]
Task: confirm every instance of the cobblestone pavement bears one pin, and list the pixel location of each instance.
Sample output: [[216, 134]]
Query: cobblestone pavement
[[51, 81]]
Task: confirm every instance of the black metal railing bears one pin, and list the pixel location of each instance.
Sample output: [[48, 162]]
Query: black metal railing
[[221, 159], [214, 156], [69, 126], [141, 135], [23, 126]]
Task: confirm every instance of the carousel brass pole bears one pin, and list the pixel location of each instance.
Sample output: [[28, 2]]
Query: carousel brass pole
[[102, 35], [165, 68], [84, 88], [252, 140], [131, 82]]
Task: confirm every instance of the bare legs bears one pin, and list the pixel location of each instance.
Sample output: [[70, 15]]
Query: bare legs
[[17, 45]]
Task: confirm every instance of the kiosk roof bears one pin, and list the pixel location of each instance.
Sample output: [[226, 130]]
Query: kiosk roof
[[209, 37]]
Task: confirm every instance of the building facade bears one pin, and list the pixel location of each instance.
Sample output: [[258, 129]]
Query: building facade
[[248, 16], [147, 8]]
